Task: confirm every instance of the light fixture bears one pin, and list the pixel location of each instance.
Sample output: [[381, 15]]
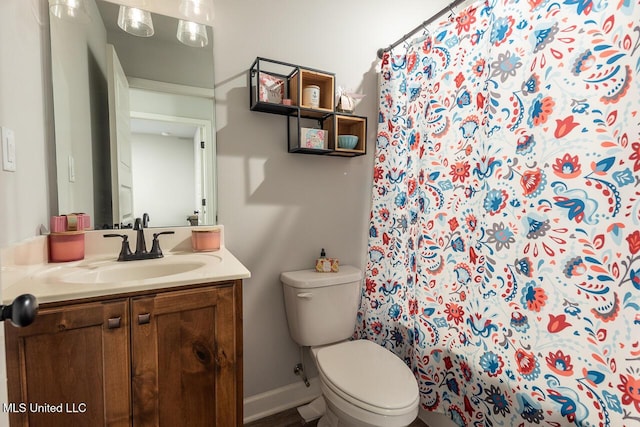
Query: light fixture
[[135, 21], [196, 10], [68, 9], [192, 34]]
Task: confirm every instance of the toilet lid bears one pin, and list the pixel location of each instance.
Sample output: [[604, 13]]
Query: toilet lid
[[368, 373]]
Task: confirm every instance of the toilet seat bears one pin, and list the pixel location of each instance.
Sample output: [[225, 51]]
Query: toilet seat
[[368, 376]]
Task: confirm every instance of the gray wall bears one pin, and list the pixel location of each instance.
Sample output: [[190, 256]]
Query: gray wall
[[280, 209]]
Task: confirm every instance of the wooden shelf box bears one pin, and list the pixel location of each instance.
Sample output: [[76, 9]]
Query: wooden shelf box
[[342, 124], [306, 77]]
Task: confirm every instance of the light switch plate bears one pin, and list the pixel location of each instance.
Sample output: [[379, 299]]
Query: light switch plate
[[72, 169], [8, 149]]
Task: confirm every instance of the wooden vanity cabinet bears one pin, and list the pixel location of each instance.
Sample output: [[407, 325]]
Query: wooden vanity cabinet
[[70, 356], [191, 379], [168, 358]]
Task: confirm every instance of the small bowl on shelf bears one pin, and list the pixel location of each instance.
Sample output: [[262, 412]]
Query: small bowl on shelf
[[347, 141]]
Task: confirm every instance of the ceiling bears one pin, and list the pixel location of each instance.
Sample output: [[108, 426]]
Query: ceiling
[[158, 127]]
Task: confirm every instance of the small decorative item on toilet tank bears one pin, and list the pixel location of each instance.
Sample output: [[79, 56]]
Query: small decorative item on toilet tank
[[327, 265]]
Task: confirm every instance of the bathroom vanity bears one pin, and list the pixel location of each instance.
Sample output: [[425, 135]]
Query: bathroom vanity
[[162, 348]]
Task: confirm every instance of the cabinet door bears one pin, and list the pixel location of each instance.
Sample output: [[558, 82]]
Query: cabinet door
[[71, 367], [186, 358]]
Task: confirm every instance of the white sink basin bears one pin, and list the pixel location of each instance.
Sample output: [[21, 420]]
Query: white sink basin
[[130, 271], [101, 271]]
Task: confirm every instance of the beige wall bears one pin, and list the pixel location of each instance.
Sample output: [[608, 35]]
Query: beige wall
[[279, 209], [24, 108]]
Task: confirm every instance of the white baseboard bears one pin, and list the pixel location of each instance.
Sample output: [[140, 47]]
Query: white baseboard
[[435, 419], [280, 399]]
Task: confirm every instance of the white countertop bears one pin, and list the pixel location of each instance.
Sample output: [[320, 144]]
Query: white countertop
[[53, 282]]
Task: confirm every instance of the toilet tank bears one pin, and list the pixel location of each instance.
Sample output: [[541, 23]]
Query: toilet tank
[[321, 307]]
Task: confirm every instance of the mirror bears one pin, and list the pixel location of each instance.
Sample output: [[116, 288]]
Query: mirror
[[135, 141]]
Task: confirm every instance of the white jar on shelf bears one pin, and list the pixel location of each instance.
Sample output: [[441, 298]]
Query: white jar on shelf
[[311, 96]]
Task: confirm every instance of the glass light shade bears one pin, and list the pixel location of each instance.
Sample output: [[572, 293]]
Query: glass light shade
[[196, 10], [192, 34], [68, 9], [135, 21]]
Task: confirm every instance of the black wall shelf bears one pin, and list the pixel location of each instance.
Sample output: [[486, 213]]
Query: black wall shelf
[[271, 82]]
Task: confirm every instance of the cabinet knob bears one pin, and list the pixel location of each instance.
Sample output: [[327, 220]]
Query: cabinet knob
[[114, 322], [144, 318]]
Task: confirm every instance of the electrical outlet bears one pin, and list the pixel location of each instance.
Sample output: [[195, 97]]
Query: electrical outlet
[[8, 149]]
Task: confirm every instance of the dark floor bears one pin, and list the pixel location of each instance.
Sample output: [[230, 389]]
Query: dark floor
[[291, 418]]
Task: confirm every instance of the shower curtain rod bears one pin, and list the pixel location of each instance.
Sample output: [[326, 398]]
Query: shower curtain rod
[[444, 10]]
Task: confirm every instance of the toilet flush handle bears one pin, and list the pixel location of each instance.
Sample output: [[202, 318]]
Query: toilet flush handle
[[305, 295]]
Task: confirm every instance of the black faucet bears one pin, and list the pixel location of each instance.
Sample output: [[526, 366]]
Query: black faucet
[[141, 247], [139, 226]]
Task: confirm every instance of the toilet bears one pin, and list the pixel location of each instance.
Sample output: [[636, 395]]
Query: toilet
[[362, 383]]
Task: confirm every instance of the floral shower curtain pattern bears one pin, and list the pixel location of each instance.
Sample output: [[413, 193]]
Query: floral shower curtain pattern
[[504, 247]]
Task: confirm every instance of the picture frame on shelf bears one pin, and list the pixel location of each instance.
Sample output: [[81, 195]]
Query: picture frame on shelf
[[271, 88], [313, 138]]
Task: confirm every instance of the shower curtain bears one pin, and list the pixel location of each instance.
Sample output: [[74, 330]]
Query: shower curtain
[[504, 239]]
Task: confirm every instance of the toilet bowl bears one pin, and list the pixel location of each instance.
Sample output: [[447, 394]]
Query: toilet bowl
[[363, 384]]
